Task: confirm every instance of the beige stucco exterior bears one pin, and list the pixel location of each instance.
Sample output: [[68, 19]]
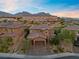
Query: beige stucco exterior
[[43, 33], [14, 30]]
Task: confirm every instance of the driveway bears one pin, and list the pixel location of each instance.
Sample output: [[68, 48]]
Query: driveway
[[39, 50], [76, 49]]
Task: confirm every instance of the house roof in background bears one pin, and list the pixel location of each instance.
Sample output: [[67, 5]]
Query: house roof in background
[[40, 27], [75, 27], [11, 25]]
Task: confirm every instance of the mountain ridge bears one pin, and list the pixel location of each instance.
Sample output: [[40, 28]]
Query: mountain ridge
[[24, 13]]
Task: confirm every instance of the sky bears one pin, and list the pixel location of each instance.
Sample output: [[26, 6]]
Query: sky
[[62, 8]]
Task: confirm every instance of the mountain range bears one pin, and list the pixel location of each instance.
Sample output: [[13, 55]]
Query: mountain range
[[24, 14], [5, 14]]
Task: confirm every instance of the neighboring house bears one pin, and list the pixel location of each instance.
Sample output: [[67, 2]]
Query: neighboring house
[[15, 30], [4, 18], [49, 20], [40, 33], [43, 25], [74, 28], [41, 28]]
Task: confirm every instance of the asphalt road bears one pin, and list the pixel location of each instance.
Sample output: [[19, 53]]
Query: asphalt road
[[55, 56], [9, 58]]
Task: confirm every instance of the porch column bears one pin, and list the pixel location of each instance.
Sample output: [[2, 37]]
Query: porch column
[[45, 42]]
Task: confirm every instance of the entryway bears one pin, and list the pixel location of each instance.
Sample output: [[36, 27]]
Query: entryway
[[39, 49]]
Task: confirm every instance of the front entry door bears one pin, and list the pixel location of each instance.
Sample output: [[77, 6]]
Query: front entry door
[[39, 43]]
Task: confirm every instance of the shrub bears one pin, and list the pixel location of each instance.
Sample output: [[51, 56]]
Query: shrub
[[5, 43]]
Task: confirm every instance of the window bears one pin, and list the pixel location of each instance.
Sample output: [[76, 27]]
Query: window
[[77, 38]]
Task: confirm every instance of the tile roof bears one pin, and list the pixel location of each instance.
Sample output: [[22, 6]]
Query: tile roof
[[40, 27], [75, 27], [11, 25], [8, 34], [9, 17], [36, 35], [41, 18]]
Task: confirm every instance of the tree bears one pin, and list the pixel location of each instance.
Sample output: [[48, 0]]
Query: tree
[[26, 31], [25, 21], [63, 38], [62, 21], [63, 35], [67, 35], [5, 20], [5, 43], [57, 30], [56, 39]]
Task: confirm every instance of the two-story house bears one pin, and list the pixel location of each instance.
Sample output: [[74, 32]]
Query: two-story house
[[40, 33], [15, 30]]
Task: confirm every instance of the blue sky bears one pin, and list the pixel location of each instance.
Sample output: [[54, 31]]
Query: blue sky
[[67, 8]]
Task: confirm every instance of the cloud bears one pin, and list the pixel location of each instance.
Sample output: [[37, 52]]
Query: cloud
[[14, 5], [9, 5], [68, 11], [24, 2], [25, 5], [34, 6], [72, 14]]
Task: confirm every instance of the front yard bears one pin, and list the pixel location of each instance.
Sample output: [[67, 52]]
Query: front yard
[[62, 41]]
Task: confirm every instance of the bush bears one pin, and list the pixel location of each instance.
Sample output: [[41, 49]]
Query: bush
[[25, 46], [55, 41], [60, 49], [55, 51], [5, 43]]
